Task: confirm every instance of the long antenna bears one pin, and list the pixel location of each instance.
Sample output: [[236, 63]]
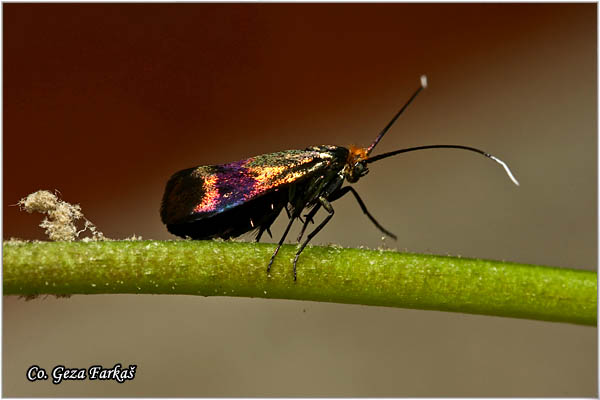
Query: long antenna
[[446, 146], [387, 127]]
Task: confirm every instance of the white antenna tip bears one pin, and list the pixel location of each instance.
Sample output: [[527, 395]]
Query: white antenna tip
[[508, 171], [424, 81]]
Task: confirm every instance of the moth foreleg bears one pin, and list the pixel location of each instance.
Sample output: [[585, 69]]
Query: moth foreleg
[[343, 191]]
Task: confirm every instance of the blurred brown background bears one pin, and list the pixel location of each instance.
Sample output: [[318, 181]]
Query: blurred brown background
[[105, 102]]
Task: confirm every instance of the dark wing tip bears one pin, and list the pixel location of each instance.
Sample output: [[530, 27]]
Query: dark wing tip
[[182, 192]]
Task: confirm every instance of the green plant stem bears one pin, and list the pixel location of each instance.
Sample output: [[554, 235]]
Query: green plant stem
[[332, 274]]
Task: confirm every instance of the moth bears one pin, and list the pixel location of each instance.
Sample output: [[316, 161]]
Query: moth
[[228, 200]]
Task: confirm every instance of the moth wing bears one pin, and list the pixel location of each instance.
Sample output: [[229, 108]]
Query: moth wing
[[201, 192]]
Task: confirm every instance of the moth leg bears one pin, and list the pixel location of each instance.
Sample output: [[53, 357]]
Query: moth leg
[[260, 232], [309, 218], [327, 206], [265, 225], [336, 195], [290, 215], [287, 229]]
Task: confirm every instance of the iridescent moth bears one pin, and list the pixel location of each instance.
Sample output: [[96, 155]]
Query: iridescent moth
[[228, 200]]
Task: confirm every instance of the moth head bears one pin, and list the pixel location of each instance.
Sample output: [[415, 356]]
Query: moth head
[[356, 164]]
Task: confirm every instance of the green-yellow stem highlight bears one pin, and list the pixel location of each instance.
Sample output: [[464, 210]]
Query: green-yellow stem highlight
[[370, 277]]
